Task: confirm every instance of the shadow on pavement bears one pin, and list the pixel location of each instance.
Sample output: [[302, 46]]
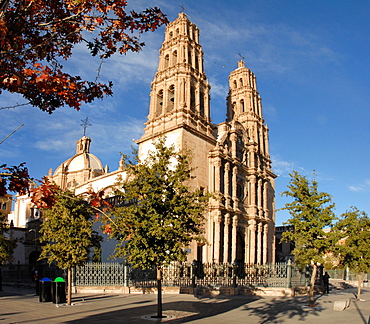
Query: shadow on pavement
[[273, 310], [196, 309]]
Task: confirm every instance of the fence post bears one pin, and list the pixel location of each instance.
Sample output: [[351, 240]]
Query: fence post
[[289, 274], [347, 274], [73, 283], [125, 274], [192, 273]]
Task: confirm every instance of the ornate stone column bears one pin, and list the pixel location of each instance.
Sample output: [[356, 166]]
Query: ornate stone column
[[217, 164], [226, 238], [259, 197], [265, 243], [234, 237], [233, 139], [247, 245], [265, 199], [227, 185], [271, 257], [235, 186], [216, 247], [252, 247], [259, 243], [252, 183]]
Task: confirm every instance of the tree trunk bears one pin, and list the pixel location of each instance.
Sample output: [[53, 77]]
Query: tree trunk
[[159, 292], [69, 285], [1, 279], [359, 283], [311, 291]]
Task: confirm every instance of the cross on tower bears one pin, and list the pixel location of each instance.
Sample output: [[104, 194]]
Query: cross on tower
[[182, 8], [85, 124]]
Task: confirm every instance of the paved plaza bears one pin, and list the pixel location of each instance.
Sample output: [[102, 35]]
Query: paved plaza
[[19, 305]]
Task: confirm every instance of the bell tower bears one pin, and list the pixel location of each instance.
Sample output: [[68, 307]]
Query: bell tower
[[179, 99], [180, 90], [244, 105]]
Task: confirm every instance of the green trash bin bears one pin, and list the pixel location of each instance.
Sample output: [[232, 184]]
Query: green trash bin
[[59, 291], [45, 290]]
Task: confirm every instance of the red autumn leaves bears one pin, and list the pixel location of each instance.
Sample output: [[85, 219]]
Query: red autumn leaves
[[36, 36], [14, 178]]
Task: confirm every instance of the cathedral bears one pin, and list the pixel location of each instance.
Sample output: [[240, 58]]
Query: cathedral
[[231, 159]]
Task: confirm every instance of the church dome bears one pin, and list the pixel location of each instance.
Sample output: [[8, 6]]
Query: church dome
[[80, 168], [80, 162]]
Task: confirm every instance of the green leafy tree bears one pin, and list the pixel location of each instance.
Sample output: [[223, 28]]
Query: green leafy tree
[[163, 214], [67, 231], [7, 245], [311, 211], [352, 234]]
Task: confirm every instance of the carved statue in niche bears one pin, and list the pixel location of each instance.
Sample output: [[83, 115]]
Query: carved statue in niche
[[240, 147]]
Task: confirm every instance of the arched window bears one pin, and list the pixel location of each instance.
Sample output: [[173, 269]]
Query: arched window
[[241, 82], [166, 61], [174, 58], [201, 104], [235, 86], [192, 98], [196, 62], [189, 57], [159, 107], [240, 191], [177, 32], [171, 98], [242, 108], [171, 34]]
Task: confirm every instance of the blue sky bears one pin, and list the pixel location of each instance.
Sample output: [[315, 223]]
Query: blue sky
[[311, 59]]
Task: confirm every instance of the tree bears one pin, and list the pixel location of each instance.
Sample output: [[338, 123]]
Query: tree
[[14, 178], [67, 229], [7, 245], [311, 211], [163, 214], [36, 36], [352, 234]]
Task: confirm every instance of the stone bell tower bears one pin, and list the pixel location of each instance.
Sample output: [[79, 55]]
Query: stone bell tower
[[231, 159], [179, 98]]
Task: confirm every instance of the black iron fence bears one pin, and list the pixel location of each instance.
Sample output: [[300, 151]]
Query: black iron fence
[[278, 275], [346, 275], [191, 275]]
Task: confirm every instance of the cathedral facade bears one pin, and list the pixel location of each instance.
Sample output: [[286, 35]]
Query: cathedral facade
[[230, 160]]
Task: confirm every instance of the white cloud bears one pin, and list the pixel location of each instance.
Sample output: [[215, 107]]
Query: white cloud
[[277, 48], [365, 186], [283, 168], [218, 89], [107, 136], [280, 167]]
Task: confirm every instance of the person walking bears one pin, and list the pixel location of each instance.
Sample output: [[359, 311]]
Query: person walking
[[325, 279], [36, 279]]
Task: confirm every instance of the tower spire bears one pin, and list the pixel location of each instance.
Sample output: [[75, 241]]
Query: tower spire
[[244, 105], [180, 90]]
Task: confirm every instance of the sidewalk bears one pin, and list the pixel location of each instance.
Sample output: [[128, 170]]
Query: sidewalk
[[19, 305]]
